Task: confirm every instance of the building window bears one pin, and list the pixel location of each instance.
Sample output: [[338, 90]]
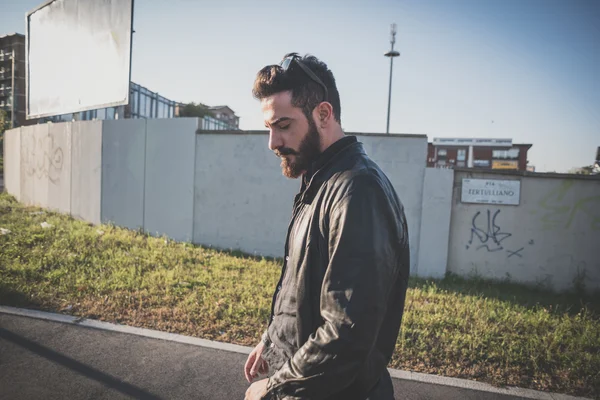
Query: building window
[[142, 105], [506, 154], [461, 155], [442, 152], [110, 113], [133, 102]]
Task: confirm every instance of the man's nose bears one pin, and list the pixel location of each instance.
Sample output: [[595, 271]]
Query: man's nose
[[275, 141]]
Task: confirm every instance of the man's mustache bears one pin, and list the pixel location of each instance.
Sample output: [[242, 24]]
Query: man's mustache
[[284, 151]]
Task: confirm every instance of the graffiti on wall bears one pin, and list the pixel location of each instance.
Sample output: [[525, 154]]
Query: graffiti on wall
[[487, 234], [558, 210], [42, 158]]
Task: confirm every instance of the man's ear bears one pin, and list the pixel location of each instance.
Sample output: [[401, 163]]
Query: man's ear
[[323, 113]]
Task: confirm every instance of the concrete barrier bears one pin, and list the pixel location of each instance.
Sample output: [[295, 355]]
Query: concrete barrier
[[45, 166], [12, 162], [435, 222], [58, 159], [169, 181], [226, 190], [35, 165], [123, 170], [86, 170], [549, 239], [401, 158], [242, 200]]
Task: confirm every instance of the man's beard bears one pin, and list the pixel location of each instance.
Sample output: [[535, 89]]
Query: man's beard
[[308, 152]]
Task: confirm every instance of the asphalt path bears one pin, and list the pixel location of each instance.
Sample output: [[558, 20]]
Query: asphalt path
[[49, 360]]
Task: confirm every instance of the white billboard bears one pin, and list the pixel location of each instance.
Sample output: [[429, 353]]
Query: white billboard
[[78, 56]]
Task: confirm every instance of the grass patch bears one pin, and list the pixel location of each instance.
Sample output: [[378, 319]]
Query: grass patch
[[500, 333]]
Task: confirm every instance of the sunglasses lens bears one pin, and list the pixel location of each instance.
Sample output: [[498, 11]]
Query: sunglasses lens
[[285, 64]]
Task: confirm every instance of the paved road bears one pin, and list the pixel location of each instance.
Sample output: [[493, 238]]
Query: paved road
[[52, 360]]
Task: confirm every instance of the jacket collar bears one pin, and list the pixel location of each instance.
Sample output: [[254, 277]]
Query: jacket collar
[[314, 178], [327, 155]]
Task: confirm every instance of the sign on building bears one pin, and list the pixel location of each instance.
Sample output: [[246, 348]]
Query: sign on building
[[491, 191], [481, 163], [505, 164]]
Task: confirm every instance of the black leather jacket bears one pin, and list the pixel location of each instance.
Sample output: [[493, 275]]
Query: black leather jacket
[[338, 306]]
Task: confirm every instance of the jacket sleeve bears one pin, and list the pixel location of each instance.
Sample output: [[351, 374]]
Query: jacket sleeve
[[364, 242], [265, 338]]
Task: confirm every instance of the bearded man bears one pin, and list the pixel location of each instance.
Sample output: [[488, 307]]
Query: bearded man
[[338, 306]]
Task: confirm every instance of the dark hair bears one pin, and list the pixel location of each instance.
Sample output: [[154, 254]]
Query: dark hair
[[306, 93]]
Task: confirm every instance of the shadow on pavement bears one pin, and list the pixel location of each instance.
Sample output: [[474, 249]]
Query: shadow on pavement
[[78, 367]]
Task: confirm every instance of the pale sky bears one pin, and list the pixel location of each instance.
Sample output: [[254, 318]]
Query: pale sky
[[522, 69]]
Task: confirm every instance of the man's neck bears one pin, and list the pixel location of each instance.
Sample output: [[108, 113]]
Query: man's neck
[[328, 140]]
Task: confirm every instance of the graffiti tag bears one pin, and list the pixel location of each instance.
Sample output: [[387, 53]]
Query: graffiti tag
[[490, 237], [515, 253], [43, 159], [487, 234]]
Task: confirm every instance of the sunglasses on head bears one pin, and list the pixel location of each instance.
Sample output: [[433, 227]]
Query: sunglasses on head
[[287, 63]]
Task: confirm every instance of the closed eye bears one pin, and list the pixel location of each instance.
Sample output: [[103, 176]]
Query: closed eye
[[280, 123]]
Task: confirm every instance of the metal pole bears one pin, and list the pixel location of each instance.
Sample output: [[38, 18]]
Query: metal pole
[[12, 100], [391, 54], [130, 61], [387, 129]]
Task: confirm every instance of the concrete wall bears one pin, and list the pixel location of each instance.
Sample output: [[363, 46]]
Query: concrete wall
[[123, 172], [435, 222], [59, 167], [12, 162], [145, 178], [243, 201], [86, 171], [46, 166], [220, 189], [34, 165], [551, 238], [402, 159], [169, 181], [226, 190]]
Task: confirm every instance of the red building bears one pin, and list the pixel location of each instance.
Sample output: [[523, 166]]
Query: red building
[[477, 153]]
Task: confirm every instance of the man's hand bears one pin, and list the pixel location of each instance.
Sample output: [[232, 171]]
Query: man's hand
[[255, 364], [257, 390]]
